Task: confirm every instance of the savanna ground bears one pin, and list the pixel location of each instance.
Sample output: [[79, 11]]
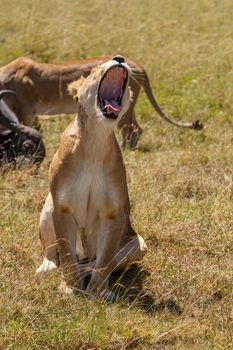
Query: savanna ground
[[180, 182]]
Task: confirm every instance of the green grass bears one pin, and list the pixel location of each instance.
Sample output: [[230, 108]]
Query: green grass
[[180, 182]]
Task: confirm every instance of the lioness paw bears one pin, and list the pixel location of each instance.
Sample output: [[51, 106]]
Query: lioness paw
[[47, 265]]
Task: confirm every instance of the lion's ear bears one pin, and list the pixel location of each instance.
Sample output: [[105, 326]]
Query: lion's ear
[[74, 86]]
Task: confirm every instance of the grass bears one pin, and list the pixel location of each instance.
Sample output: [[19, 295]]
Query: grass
[[180, 182]]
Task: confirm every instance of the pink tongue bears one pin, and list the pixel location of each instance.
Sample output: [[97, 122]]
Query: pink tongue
[[111, 106]]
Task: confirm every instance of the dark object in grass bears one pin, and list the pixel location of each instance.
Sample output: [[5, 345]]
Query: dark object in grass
[[18, 142]]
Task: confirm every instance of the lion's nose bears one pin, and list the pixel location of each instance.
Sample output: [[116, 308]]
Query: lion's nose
[[119, 59]]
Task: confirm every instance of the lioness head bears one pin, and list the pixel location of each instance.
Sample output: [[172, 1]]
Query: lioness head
[[105, 93]]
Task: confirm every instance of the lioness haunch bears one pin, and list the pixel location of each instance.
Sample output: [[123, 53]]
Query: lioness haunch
[[86, 216]]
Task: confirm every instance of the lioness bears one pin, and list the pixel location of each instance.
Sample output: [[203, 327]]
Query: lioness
[[87, 213], [42, 89]]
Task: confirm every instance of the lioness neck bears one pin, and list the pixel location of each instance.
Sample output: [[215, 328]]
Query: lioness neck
[[97, 139]]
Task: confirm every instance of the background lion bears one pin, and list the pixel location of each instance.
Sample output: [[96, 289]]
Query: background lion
[[42, 89]]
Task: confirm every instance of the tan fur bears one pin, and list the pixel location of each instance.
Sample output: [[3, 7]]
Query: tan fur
[[87, 212], [42, 89]]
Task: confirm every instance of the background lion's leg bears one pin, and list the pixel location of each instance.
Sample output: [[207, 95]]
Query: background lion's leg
[[131, 133], [128, 125]]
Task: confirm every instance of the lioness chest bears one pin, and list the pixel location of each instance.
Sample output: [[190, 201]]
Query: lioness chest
[[90, 196]]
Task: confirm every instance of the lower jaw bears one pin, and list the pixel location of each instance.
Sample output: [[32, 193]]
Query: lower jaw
[[111, 116]]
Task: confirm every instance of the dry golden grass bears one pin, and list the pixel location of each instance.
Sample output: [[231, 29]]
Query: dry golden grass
[[180, 182]]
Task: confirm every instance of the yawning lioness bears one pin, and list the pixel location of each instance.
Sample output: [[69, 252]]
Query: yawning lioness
[[86, 216]]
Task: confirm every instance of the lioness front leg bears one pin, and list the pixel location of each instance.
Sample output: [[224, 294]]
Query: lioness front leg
[[130, 251], [109, 237], [65, 230]]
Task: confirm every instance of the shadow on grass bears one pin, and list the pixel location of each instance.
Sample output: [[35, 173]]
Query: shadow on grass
[[128, 286], [143, 148]]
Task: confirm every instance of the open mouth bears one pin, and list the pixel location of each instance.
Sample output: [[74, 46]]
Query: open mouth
[[111, 91]]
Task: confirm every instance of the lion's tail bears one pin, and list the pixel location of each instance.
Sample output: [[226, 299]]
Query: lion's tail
[[147, 88]]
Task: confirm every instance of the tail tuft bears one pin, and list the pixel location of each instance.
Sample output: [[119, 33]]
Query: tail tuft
[[197, 125]]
